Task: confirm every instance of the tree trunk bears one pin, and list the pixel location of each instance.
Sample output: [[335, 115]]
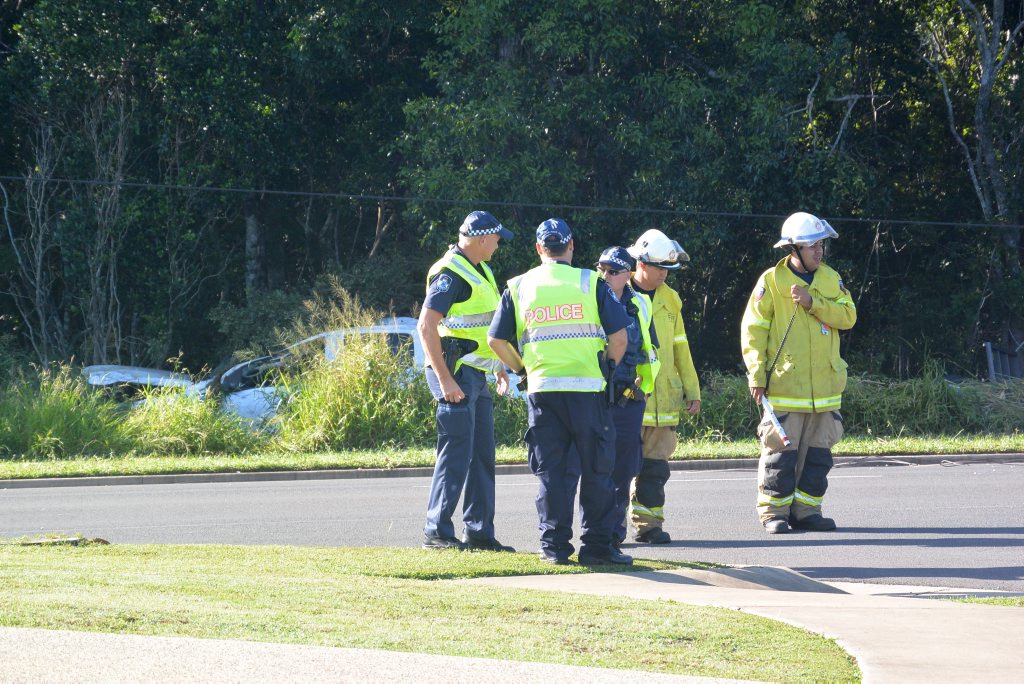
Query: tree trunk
[[254, 263]]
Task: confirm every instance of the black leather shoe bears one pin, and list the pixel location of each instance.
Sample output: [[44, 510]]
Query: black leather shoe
[[814, 523], [432, 542], [611, 557], [655, 535], [776, 526], [554, 559], [491, 544]]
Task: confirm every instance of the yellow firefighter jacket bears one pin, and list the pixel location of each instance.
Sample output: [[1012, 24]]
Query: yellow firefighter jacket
[[809, 376], [677, 381]]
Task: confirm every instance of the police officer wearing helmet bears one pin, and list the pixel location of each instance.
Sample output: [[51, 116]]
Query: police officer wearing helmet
[[462, 295], [676, 387], [563, 320], [632, 380], [791, 350]]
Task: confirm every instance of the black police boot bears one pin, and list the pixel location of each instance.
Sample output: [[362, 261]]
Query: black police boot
[[434, 542], [776, 526], [814, 523], [610, 557], [491, 544], [554, 558]]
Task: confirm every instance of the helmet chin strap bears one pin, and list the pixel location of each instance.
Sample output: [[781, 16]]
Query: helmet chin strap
[[800, 258]]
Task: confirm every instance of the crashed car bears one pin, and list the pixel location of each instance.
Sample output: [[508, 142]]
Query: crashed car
[[248, 389]]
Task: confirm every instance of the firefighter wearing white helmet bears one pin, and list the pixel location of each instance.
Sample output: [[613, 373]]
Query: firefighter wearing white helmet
[[676, 387], [791, 350]]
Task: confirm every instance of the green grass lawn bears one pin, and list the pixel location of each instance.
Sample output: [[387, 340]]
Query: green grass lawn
[[12, 467], [1012, 601], [394, 599]]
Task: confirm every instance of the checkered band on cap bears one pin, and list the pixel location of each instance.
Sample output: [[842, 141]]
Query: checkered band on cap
[[473, 232], [618, 258], [615, 261], [480, 223], [554, 232]]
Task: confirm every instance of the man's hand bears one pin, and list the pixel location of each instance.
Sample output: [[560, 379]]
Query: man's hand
[[801, 296], [453, 394], [694, 407], [756, 393], [502, 384]]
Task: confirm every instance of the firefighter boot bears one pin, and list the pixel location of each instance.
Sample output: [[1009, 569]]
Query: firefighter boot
[[655, 535], [776, 526], [814, 523]]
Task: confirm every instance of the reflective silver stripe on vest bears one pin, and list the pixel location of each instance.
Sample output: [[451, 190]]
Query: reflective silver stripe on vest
[[585, 281], [478, 362], [472, 277], [567, 384], [471, 321], [642, 303], [567, 331]]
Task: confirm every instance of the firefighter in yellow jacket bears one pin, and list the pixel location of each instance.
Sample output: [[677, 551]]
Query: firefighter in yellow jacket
[[676, 388], [794, 371]]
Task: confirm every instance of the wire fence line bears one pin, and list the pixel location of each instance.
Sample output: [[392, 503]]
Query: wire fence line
[[362, 197]]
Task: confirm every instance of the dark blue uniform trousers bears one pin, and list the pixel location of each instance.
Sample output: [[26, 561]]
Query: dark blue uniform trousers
[[570, 441], [628, 421], [465, 458]]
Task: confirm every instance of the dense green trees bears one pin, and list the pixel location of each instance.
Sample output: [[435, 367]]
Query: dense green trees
[[350, 138]]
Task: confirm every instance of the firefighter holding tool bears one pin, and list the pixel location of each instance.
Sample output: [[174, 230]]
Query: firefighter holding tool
[[790, 345]]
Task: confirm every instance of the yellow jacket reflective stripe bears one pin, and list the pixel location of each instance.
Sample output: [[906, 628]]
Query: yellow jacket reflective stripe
[[810, 375], [676, 381]]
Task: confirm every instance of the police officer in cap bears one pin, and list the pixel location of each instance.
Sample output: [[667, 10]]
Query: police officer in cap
[[570, 330], [633, 379], [462, 295]]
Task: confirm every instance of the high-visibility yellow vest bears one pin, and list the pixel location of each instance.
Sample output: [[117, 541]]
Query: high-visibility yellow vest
[[809, 376], [559, 328], [649, 367], [677, 381], [469, 320]]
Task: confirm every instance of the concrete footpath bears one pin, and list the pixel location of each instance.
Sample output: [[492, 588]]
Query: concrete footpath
[[896, 633]]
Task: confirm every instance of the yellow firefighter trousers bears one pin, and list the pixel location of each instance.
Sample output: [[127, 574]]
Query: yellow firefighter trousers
[[791, 480]]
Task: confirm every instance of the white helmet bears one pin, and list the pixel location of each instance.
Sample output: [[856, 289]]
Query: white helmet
[[654, 247], [804, 229]]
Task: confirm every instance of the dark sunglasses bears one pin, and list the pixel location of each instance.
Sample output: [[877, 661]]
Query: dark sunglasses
[[611, 271]]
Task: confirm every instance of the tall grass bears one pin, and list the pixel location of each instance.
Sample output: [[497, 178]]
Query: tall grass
[[370, 397], [168, 422], [51, 414], [879, 407]]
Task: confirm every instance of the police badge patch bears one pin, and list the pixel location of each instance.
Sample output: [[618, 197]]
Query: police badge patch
[[443, 283], [759, 294]]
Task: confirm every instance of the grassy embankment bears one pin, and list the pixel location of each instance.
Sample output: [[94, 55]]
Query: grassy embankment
[[394, 599]]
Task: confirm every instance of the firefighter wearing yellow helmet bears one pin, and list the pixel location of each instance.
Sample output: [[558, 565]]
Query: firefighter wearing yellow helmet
[[794, 371], [676, 387]]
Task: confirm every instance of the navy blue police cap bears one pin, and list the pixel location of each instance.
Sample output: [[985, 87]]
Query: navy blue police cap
[[554, 231], [483, 223], [618, 259]]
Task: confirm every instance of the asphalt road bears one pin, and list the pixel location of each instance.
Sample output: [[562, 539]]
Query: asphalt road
[[957, 526]]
